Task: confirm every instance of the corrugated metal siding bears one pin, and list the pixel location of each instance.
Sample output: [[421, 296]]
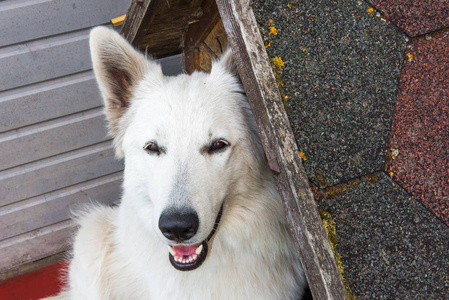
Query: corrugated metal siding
[[54, 153]]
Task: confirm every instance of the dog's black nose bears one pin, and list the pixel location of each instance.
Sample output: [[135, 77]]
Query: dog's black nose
[[178, 226]]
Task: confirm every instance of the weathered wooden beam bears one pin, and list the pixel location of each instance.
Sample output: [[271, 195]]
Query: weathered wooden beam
[[192, 60], [197, 32], [281, 149], [138, 18]]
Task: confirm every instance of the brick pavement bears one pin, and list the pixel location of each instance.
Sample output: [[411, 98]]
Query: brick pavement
[[366, 86]]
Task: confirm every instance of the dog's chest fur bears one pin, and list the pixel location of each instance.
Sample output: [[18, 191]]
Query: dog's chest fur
[[252, 265]]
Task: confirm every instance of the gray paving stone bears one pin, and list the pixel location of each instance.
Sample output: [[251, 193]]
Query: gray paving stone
[[392, 247], [342, 66]]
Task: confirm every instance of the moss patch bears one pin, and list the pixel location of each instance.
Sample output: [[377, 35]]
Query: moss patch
[[329, 227]]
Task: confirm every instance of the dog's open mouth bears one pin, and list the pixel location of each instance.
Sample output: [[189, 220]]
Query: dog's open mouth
[[185, 257], [188, 257]]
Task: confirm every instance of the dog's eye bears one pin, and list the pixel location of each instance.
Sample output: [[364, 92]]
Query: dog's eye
[[218, 145], [152, 147]]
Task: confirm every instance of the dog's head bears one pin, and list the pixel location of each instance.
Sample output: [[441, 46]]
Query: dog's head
[[186, 141]]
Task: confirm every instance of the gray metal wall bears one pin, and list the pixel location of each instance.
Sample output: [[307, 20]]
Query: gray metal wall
[[54, 153]]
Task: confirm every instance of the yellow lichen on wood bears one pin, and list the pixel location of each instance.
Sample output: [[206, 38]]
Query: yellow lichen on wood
[[329, 227], [277, 70]]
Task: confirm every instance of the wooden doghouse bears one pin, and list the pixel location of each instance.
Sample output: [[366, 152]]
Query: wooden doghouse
[[202, 29]]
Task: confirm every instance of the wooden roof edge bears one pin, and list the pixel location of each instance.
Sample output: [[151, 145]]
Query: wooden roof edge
[[281, 149], [139, 16]]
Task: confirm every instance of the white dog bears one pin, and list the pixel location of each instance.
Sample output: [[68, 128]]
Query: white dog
[[200, 216]]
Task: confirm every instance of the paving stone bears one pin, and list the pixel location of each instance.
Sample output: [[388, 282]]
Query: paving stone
[[340, 74], [420, 129], [415, 17], [392, 247]]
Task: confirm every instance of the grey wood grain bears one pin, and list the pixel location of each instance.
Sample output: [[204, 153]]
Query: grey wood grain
[[56, 206], [50, 138], [35, 244], [138, 18], [54, 153], [44, 59], [56, 172], [23, 20], [48, 100]]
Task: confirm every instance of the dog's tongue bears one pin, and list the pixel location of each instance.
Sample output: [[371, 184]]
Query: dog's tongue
[[185, 250]]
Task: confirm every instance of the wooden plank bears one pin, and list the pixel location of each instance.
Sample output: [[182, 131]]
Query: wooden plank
[[281, 149], [138, 18], [170, 45], [163, 35], [213, 45], [197, 31], [48, 100], [50, 138], [54, 153], [206, 57], [192, 58], [44, 59], [35, 245], [23, 20], [57, 172], [217, 40], [195, 35], [55, 207]]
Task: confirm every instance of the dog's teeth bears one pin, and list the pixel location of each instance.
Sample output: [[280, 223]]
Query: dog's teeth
[[199, 249], [186, 259]]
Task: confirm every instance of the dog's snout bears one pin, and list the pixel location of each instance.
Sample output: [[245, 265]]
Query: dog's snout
[[178, 226]]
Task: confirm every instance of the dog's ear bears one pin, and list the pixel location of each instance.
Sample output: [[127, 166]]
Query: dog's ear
[[226, 61], [118, 67]]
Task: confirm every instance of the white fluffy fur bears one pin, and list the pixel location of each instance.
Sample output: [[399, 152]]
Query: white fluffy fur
[[120, 253]]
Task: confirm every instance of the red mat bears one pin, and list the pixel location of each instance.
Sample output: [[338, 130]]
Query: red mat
[[34, 285]]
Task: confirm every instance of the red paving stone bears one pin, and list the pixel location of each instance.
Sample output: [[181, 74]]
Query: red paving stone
[[420, 129], [415, 17], [34, 285]]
